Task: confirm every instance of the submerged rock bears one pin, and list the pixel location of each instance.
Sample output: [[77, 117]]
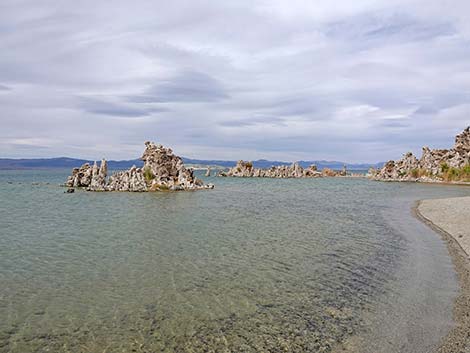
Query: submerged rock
[[162, 170], [432, 166]]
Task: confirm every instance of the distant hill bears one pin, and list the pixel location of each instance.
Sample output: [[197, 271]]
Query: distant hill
[[61, 162], [64, 162]]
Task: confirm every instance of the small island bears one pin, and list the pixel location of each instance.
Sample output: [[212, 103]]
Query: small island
[[245, 169], [162, 171]]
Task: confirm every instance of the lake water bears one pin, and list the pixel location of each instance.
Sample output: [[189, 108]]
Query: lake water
[[255, 265]]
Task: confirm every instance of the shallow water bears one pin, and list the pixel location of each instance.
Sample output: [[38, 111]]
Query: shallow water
[[253, 265]]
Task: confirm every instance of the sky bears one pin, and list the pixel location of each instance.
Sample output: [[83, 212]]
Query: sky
[[355, 81]]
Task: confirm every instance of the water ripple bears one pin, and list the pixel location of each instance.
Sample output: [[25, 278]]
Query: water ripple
[[254, 265]]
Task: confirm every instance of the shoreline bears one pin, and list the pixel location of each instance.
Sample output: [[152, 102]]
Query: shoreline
[[458, 339], [432, 182]]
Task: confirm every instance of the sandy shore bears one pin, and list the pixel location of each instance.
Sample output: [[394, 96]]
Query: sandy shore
[[450, 215], [451, 219]]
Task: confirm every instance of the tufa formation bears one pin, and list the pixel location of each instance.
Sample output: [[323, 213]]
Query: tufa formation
[[162, 171], [433, 166], [246, 170]]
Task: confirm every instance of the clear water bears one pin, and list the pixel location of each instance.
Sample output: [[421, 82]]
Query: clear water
[[253, 265]]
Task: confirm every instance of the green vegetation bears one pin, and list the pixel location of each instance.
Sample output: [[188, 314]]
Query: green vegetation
[[418, 173], [448, 173], [148, 175], [456, 174], [444, 167]]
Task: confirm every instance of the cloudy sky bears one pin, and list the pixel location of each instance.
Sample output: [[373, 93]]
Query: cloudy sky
[[358, 81]]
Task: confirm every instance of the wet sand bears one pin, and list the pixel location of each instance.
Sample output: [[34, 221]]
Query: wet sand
[[451, 219]]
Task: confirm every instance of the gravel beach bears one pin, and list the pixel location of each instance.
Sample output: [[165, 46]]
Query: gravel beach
[[451, 218], [450, 215]]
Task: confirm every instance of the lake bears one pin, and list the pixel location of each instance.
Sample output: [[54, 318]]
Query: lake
[[272, 265]]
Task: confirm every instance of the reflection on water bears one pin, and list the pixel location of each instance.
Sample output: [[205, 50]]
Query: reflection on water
[[253, 265]]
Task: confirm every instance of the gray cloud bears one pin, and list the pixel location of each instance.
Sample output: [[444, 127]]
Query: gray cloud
[[358, 81], [108, 108], [395, 27], [272, 120], [187, 86]]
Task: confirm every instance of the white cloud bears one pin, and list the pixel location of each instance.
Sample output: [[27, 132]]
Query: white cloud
[[360, 81]]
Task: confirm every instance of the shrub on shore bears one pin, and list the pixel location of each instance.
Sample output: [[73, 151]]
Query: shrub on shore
[[444, 167], [148, 175], [456, 174], [418, 173]]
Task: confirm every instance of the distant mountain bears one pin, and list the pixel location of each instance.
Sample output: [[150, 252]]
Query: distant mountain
[[64, 162], [61, 162]]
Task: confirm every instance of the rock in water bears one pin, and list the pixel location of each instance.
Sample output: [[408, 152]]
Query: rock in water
[[98, 178], [81, 177], [431, 166], [162, 170], [246, 170], [327, 172], [129, 180]]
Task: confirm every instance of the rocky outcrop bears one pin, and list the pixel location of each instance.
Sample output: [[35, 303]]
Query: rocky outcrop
[[312, 172], [128, 180], [98, 176], [327, 172], [395, 170], [245, 169], [162, 170], [434, 165], [81, 177], [462, 141]]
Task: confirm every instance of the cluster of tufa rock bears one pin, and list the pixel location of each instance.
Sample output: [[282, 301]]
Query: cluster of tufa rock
[[430, 166], [246, 170], [162, 170], [88, 177]]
